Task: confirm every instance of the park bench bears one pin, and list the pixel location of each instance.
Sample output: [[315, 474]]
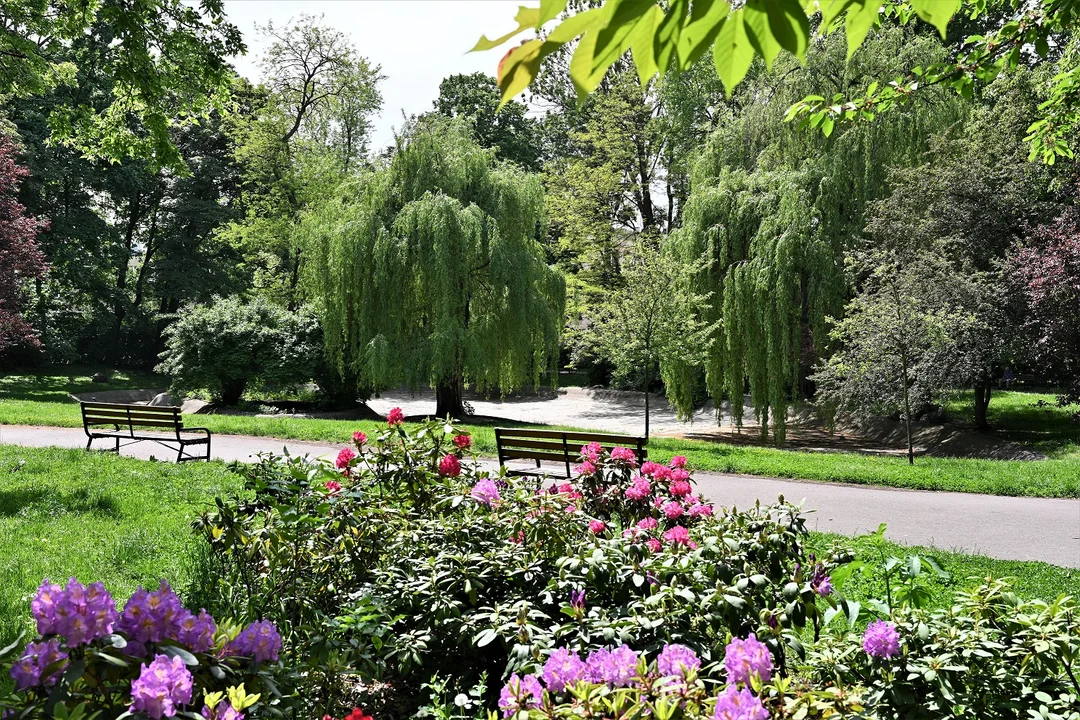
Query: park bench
[[557, 446], [139, 423]]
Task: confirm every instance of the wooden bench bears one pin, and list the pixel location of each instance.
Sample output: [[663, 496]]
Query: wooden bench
[[138, 423], [557, 446]]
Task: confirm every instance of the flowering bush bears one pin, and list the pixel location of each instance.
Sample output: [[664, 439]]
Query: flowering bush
[[153, 657]]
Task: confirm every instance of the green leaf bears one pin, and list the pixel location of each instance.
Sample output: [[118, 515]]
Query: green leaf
[[733, 52], [612, 39], [666, 41], [936, 12], [706, 19], [549, 10], [832, 9], [526, 18], [860, 17], [177, 651], [789, 25], [827, 125], [756, 22], [641, 44]]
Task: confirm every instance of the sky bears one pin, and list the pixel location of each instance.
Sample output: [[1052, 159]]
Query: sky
[[417, 42]]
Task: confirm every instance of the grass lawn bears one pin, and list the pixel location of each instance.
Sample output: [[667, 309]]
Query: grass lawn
[[94, 516], [42, 399]]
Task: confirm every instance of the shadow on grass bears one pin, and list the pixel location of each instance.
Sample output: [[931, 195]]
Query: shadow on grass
[[40, 501]]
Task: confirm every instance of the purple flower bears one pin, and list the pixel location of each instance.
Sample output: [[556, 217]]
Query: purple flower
[[223, 711], [577, 599], [676, 660], [563, 668], [520, 693], [744, 659], [486, 492], [735, 704], [821, 583], [197, 631], [260, 640], [29, 669], [881, 640], [615, 667], [153, 616], [79, 613], [162, 686]]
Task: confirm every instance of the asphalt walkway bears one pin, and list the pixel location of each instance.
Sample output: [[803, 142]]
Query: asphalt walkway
[[1002, 527]]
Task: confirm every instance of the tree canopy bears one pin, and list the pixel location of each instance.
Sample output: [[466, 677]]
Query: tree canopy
[[429, 271]]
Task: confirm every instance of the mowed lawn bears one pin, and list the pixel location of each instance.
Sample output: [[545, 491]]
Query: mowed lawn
[[96, 516], [42, 398]]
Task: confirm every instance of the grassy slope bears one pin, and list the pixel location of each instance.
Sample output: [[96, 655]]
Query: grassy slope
[[42, 400], [96, 517]]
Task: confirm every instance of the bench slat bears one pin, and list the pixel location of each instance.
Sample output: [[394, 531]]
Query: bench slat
[[584, 437], [534, 455], [123, 406], [139, 423], [132, 416]]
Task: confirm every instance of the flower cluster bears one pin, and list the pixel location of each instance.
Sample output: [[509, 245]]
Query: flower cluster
[[564, 669], [161, 688], [881, 640], [260, 641], [153, 616], [344, 458], [395, 417], [450, 466], [485, 491], [30, 669], [78, 613], [745, 659]]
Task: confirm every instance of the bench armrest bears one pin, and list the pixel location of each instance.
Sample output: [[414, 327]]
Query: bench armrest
[[196, 429]]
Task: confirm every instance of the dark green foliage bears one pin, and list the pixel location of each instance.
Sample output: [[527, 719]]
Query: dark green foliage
[[514, 136], [224, 346]]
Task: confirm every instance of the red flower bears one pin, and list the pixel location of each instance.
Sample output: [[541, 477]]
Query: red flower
[[450, 466], [344, 457], [395, 417], [597, 526], [359, 438], [357, 714], [462, 442], [333, 486]]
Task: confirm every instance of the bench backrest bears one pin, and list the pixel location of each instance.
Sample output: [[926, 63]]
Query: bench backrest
[[558, 446], [132, 416]]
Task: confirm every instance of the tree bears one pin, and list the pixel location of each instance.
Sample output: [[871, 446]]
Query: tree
[[900, 342], [228, 344], [508, 129], [1046, 271], [653, 321], [20, 258], [674, 36], [428, 271], [167, 59]]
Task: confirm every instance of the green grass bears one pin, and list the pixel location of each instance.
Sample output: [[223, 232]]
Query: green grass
[[1019, 417], [1030, 580], [42, 399], [94, 516]]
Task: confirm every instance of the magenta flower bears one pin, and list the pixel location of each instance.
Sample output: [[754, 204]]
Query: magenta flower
[[591, 452], [617, 668], [462, 442], [679, 535], [486, 492], [821, 583], [78, 613], [344, 457], [562, 669], [586, 468], [161, 688], [673, 510], [260, 641], [395, 417], [679, 475], [881, 640], [223, 711], [450, 466], [677, 660], [333, 486], [359, 438], [649, 467], [520, 693], [680, 488], [640, 490], [648, 523], [596, 527], [700, 509], [654, 545], [29, 670], [744, 659], [577, 599], [679, 461], [735, 704], [625, 455]]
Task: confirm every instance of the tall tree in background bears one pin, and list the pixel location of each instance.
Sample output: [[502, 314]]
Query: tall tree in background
[[509, 130], [429, 272], [20, 258]]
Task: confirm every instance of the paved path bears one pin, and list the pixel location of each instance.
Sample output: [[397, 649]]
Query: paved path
[[1002, 527]]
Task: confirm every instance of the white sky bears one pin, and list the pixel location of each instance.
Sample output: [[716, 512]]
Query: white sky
[[417, 42]]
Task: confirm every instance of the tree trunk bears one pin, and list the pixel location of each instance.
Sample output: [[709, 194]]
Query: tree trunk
[[983, 390], [448, 402], [907, 406], [232, 390], [646, 398]]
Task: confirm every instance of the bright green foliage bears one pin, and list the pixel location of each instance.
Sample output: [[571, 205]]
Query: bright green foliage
[[655, 321], [508, 128], [223, 346], [167, 60], [675, 35], [429, 271]]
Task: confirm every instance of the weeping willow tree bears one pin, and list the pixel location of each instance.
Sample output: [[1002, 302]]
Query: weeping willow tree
[[428, 272], [774, 209]]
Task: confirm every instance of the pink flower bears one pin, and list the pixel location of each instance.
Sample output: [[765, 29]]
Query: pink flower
[[450, 466], [640, 490], [462, 442], [359, 438], [591, 452], [596, 527], [679, 535], [586, 468], [673, 510], [678, 474], [649, 467], [678, 461], [625, 455], [662, 473], [680, 488], [700, 510], [648, 523], [654, 545], [484, 491], [395, 417], [333, 486], [344, 457]]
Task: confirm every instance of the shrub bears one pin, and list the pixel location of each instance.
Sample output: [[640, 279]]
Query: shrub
[[154, 657], [224, 346]]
